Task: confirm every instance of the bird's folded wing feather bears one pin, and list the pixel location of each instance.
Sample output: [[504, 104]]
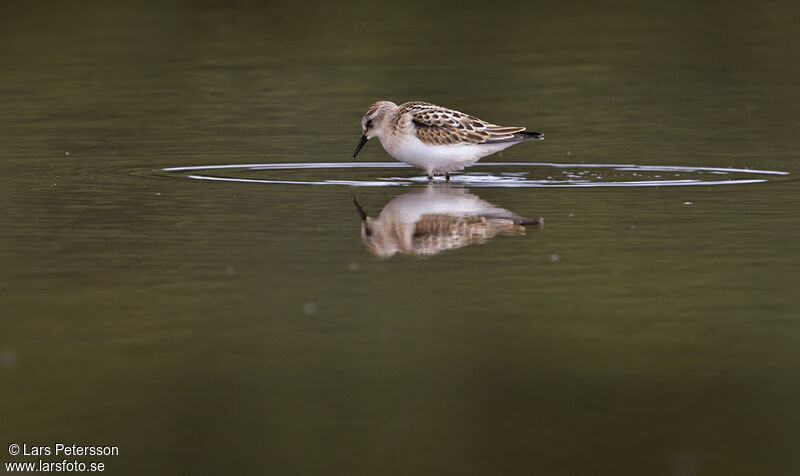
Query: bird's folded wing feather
[[441, 126]]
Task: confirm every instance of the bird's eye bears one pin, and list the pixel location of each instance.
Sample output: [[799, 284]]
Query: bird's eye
[[369, 123]]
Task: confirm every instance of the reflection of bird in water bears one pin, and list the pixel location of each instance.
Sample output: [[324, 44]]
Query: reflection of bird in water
[[429, 221]]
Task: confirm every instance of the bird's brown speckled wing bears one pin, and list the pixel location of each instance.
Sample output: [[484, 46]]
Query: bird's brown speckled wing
[[436, 125]]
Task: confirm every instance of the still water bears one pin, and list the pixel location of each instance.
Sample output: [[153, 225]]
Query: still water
[[169, 288]]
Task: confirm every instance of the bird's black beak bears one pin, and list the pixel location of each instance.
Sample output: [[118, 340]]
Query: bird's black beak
[[359, 146], [360, 210]]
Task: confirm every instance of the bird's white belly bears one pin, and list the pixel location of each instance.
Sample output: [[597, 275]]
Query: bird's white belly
[[439, 158]]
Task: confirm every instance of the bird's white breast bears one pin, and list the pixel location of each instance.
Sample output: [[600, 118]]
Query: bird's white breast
[[437, 158]]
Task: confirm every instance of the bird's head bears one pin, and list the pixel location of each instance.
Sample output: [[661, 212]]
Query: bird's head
[[375, 120]]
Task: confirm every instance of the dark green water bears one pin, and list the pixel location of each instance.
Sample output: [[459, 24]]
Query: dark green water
[[244, 328]]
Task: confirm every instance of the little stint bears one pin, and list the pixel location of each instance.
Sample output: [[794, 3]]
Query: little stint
[[436, 139]]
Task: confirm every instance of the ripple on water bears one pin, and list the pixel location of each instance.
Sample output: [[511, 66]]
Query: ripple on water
[[487, 174]]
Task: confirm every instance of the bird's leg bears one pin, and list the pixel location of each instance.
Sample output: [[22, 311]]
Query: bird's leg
[[447, 176]]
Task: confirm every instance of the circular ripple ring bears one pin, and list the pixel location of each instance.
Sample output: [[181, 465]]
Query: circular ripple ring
[[557, 175]]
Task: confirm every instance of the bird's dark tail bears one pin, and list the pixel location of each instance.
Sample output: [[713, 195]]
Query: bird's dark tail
[[525, 135]]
